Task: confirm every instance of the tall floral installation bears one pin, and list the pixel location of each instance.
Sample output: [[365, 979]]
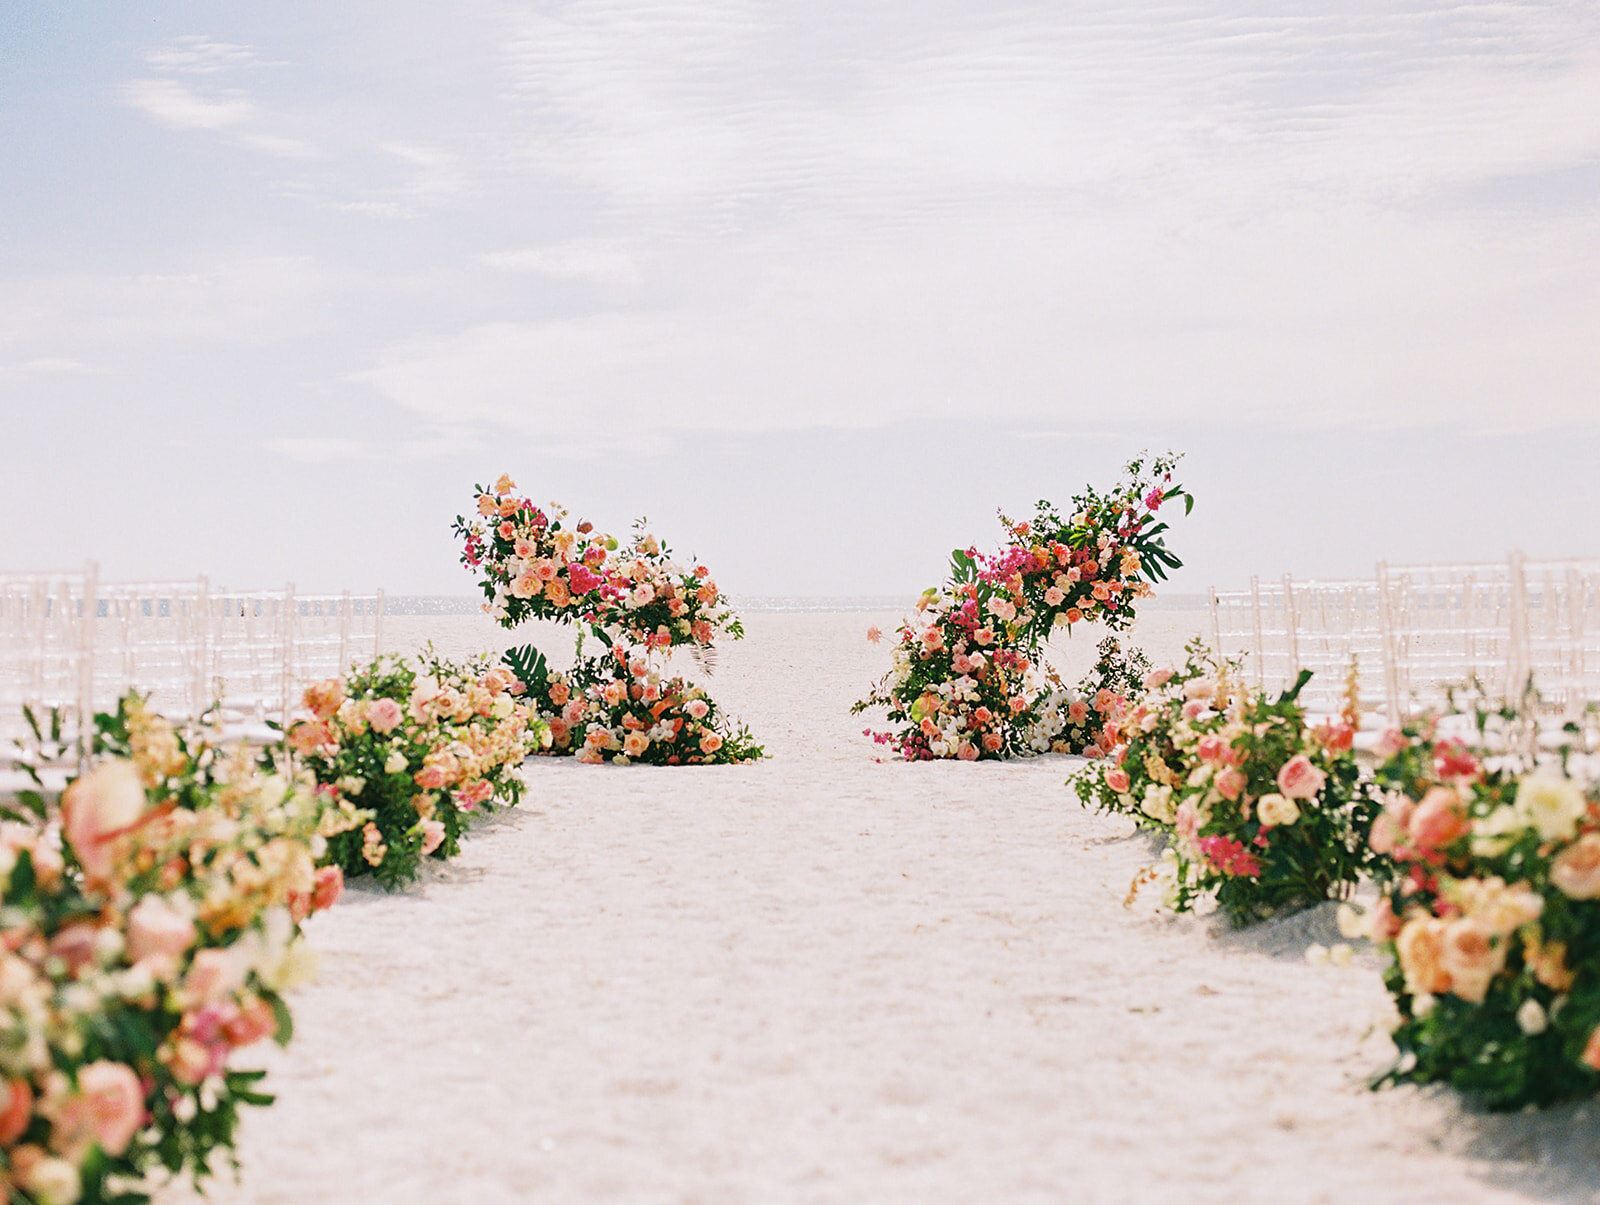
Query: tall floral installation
[[420, 746], [1263, 811], [633, 601], [966, 680], [1490, 916], [152, 926]]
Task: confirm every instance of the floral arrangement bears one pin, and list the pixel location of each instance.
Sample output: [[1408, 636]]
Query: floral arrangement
[[1264, 812], [1489, 917], [152, 921], [1078, 720], [530, 566], [621, 710], [966, 681], [419, 747], [619, 706]]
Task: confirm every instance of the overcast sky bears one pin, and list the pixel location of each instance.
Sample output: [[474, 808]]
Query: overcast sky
[[815, 286]]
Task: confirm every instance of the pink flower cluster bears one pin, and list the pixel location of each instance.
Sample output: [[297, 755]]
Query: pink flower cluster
[[531, 566]]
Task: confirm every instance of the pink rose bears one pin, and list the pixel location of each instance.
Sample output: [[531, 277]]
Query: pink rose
[[16, 1110], [992, 742], [326, 887], [697, 708], [433, 834], [1195, 708], [1438, 820], [251, 1023], [213, 973], [1576, 869], [1094, 753], [1054, 596], [1230, 783], [158, 935], [1212, 749], [1117, 780], [1157, 678], [967, 751], [1391, 742], [74, 945], [1299, 779], [96, 809], [1390, 826], [1591, 1051], [1077, 711], [114, 1103], [384, 715], [310, 736]]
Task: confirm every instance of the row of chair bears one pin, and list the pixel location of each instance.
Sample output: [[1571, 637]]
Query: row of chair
[[71, 641], [1418, 633]]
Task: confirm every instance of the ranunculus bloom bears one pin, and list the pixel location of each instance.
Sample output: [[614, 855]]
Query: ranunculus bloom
[[1575, 871], [1438, 819], [114, 1101], [1299, 779], [158, 934], [384, 715], [98, 807]]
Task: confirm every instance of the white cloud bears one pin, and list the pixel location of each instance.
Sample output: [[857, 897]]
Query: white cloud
[[606, 260], [314, 450], [181, 107]]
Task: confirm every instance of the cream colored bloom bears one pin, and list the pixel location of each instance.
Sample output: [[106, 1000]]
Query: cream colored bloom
[[1276, 810], [1551, 805]]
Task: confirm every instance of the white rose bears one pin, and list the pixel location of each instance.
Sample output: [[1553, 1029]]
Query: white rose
[[1276, 810], [1550, 804], [395, 762], [1157, 803], [1531, 1018]]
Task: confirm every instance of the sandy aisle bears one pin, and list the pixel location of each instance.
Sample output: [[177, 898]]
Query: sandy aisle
[[821, 978]]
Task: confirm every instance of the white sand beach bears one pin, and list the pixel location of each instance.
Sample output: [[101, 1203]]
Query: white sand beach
[[824, 978]]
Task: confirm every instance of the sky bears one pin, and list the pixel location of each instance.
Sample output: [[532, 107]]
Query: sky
[[818, 288]]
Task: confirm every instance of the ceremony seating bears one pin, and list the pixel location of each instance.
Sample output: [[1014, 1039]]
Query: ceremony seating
[[69, 641], [1420, 633]]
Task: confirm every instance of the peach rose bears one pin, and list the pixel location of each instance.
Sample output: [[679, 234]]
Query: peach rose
[[1230, 783], [1591, 1051], [74, 944], [992, 742], [97, 808], [1391, 742], [384, 715], [309, 736], [1117, 780], [158, 935], [1419, 947], [322, 699], [1391, 825], [1299, 779], [710, 743], [113, 1103], [967, 751], [1576, 869], [1438, 819], [1471, 958]]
